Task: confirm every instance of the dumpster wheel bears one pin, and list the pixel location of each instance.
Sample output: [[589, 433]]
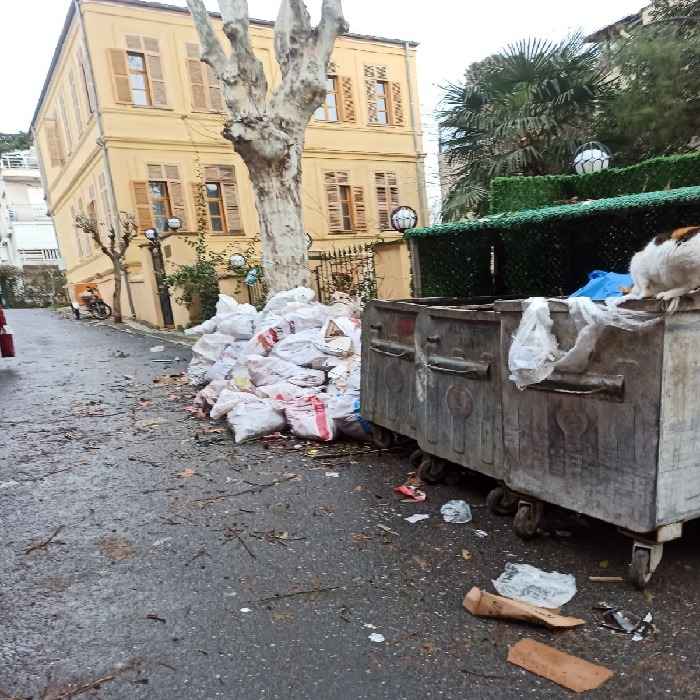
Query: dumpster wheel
[[646, 557], [527, 519], [383, 438], [502, 501], [431, 469]]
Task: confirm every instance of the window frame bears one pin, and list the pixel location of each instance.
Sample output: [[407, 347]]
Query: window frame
[[330, 79], [222, 207], [350, 202], [147, 82], [86, 87], [386, 96], [165, 199]]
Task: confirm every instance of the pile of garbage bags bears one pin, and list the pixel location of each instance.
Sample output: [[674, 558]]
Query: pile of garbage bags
[[294, 365]]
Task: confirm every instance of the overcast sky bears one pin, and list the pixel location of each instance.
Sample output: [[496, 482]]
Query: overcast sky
[[452, 34]]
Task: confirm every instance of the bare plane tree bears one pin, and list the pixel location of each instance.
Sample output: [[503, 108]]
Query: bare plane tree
[[114, 248], [267, 128]]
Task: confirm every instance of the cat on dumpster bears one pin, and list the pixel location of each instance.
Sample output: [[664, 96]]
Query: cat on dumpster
[[668, 267]]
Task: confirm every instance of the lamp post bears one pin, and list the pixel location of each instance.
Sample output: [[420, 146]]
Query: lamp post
[[152, 235]]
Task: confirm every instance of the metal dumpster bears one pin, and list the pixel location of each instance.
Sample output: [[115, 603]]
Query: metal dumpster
[[388, 366], [459, 389], [618, 442]]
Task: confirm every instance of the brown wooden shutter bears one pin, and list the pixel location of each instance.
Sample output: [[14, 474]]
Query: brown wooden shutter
[[66, 124], [89, 85], [216, 98], [54, 142], [360, 213], [198, 84], [106, 207], [159, 94], [335, 214], [177, 194], [371, 93], [382, 200], [77, 111], [120, 76], [76, 233], [142, 205], [347, 100], [229, 191], [397, 111]]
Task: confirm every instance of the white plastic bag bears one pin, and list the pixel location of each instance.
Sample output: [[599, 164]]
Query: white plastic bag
[[228, 359], [269, 370], [225, 305], [299, 348], [532, 585], [278, 301], [309, 417], [197, 371], [209, 347], [210, 394], [254, 419], [240, 324], [284, 391], [340, 337], [534, 353], [229, 398], [206, 327]]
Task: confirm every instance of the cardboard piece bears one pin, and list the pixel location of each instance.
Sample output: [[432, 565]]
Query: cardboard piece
[[567, 671], [483, 604]]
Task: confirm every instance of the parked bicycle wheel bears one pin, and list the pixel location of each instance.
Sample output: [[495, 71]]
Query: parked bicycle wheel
[[101, 310]]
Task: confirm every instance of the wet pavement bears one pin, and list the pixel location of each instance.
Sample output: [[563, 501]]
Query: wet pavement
[[144, 555]]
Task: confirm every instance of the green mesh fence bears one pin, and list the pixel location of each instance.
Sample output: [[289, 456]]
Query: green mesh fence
[[509, 194], [547, 251]]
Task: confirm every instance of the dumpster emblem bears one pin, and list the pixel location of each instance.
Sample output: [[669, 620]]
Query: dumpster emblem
[[460, 401], [393, 378]]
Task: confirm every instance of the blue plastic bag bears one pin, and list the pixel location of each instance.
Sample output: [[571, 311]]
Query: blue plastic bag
[[602, 285]]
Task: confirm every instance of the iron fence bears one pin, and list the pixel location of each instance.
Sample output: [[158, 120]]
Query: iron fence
[[350, 270]]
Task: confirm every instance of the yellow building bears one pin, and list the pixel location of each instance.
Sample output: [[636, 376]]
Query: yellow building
[[129, 120]]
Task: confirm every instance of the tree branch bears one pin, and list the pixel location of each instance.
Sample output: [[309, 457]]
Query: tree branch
[[292, 29], [331, 26], [212, 51]]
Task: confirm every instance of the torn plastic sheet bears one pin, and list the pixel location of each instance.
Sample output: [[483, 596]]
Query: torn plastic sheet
[[626, 622], [456, 512], [532, 585], [535, 353]]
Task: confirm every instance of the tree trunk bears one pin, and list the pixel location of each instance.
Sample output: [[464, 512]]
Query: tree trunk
[[278, 201], [117, 298]]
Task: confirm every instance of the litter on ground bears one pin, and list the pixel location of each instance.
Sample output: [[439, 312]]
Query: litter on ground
[[456, 512], [532, 585]]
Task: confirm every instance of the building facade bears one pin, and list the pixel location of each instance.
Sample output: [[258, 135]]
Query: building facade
[[27, 237], [130, 120]]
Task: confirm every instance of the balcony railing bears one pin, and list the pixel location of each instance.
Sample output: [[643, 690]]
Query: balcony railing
[[39, 256], [19, 160], [28, 212]]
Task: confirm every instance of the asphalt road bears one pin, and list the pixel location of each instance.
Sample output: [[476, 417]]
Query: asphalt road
[[130, 567]]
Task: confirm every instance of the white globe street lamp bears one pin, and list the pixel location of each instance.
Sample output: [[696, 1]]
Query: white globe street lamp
[[403, 218], [591, 157], [237, 261]]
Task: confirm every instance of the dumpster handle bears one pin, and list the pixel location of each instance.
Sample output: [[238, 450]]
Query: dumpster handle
[[476, 370], [398, 356]]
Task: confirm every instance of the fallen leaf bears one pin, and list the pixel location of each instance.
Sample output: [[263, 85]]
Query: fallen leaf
[[166, 379], [603, 564], [466, 555], [186, 473], [153, 616], [213, 430], [360, 537], [282, 617], [144, 403], [116, 548], [422, 563], [387, 529]]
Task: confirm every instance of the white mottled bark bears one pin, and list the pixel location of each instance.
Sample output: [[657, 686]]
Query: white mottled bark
[[267, 130]]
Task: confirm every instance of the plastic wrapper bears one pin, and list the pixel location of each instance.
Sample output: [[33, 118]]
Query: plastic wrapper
[[228, 399], [228, 359], [210, 346], [534, 586], [300, 348], [283, 391]]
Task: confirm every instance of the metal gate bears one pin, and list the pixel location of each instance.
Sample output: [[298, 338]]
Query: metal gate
[[350, 270]]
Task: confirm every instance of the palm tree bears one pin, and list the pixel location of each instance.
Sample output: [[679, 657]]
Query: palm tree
[[519, 112]]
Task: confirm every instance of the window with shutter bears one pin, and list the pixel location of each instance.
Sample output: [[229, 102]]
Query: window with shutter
[[328, 111], [77, 233], [88, 86], [77, 111], [167, 195], [66, 123], [54, 142], [137, 73], [387, 191], [206, 89], [346, 213], [106, 207], [384, 104], [219, 197]]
